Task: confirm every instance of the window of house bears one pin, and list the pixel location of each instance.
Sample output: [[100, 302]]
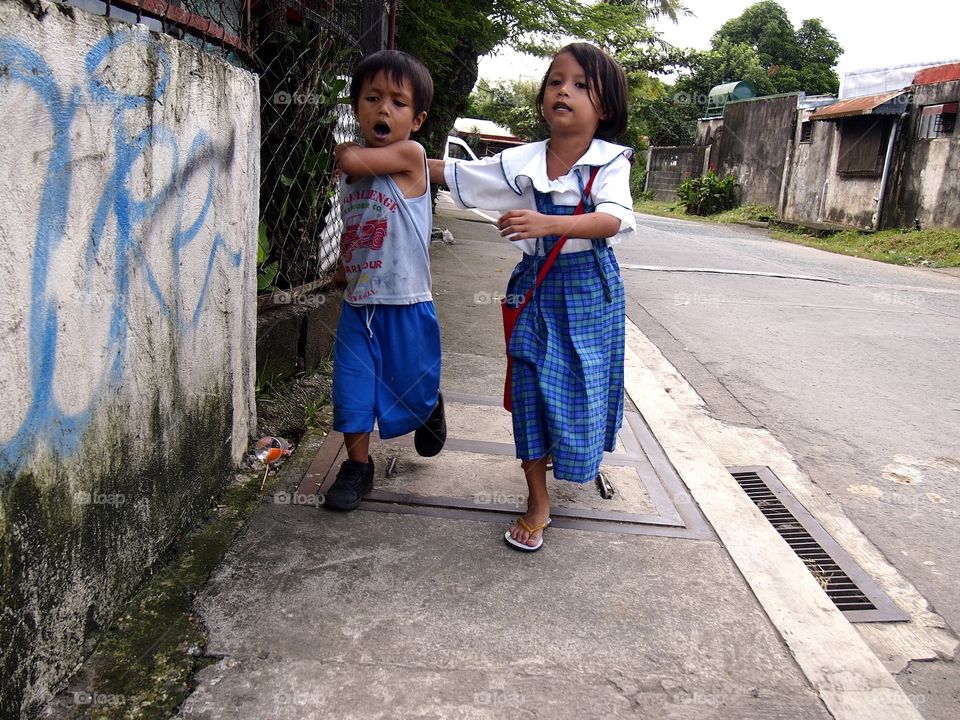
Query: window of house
[[862, 145], [937, 121], [806, 131]]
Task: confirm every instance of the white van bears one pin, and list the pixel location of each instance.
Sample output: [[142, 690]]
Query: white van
[[457, 149]]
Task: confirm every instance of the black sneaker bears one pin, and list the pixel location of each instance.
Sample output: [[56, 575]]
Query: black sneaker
[[354, 480], [430, 437]]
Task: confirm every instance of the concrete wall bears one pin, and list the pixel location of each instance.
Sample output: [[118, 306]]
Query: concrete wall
[[670, 166], [709, 131], [813, 191], [756, 141], [927, 171], [809, 172], [129, 168]]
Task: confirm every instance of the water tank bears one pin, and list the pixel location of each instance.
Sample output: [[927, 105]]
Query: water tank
[[720, 95]]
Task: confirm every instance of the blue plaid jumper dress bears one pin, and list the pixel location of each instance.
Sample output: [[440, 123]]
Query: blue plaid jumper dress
[[567, 349]]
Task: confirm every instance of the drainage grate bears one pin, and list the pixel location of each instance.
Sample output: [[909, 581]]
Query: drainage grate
[[847, 585]]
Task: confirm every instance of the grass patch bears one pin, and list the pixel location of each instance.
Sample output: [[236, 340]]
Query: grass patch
[[756, 213], [675, 210], [923, 248], [662, 208]]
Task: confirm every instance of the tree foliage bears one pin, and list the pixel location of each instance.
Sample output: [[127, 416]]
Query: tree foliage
[[450, 35], [762, 46], [766, 28], [512, 104], [726, 62]]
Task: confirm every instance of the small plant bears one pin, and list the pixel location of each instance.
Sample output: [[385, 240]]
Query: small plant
[[708, 194], [266, 272], [312, 412]]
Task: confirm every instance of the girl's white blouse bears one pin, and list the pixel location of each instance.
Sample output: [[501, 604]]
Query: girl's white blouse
[[506, 182]]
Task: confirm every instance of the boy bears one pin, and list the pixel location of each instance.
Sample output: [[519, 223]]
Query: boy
[[386, 356]]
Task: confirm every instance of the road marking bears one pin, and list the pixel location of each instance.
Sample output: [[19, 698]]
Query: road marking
[[723, 271], [486, 217], [849, 678]]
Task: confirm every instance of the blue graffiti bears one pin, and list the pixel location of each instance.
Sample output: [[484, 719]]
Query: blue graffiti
[[118, 208]]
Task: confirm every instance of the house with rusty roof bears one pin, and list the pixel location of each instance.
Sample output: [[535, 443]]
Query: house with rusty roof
[[885, 159], [877, 161]]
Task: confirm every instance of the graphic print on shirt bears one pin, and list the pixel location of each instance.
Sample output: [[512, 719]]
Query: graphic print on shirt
[[366, 224]]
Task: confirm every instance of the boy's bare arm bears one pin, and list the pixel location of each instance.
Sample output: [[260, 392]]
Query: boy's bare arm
[[404, 157], [436, 171]]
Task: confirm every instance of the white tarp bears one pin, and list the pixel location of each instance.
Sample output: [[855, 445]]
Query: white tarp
[[881, 80]]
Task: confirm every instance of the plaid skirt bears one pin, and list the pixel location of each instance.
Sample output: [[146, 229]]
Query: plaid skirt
[[567, 349]]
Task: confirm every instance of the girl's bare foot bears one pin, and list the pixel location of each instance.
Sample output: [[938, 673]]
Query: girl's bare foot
[[528, 529]]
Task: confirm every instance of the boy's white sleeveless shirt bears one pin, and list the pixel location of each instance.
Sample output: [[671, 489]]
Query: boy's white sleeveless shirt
[[385, 245]]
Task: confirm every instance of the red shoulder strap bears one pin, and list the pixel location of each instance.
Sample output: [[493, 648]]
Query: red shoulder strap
[[555, 250]]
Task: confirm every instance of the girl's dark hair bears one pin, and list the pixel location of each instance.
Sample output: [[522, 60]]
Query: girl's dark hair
[[399, 66], [606, 84]]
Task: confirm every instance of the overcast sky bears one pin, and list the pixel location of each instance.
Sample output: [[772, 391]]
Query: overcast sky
[[873, 34]]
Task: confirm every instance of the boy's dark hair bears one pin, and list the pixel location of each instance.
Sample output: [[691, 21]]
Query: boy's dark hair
[[606, 83], [398, 66]]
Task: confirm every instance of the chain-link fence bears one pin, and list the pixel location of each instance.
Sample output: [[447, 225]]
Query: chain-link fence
[[303, 58], [303, 51]]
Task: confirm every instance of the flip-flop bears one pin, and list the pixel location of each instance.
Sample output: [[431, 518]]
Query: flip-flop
[[508, 538]]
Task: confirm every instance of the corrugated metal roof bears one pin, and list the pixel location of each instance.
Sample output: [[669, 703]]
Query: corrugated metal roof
[[938, 74], [891, 103]]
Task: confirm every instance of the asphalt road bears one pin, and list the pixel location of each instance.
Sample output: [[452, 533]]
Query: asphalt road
[[851, 364]]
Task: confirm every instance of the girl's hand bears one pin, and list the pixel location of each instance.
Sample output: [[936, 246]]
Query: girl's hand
[[525, 224]]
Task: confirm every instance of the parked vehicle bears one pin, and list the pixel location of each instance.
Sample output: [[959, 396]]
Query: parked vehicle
[[457, 149]]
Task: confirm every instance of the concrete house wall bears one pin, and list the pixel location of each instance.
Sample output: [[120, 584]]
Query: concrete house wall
[[927, 173], [808, 173], [756, 140], [129, 171], [813, 190], [851, 201]]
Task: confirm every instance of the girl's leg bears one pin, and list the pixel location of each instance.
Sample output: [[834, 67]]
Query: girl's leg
[[538, 501]]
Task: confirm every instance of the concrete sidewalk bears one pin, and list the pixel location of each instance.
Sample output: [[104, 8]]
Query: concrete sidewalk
[[413, 606]]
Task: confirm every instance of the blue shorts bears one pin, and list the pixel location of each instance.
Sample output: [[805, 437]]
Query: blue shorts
[[386, 368]]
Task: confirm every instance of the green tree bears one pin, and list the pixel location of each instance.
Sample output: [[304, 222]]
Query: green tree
[[660, 114], [766, 28], [512, 104], [726, 62], [801, 59], [450, 35], [820, 51]]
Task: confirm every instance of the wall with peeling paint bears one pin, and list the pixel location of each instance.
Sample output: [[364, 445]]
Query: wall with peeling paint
[[756, 142], [927, 172], [129, 171]]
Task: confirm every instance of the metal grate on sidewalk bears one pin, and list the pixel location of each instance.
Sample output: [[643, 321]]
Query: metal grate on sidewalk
[[668, 509], [846, 584]]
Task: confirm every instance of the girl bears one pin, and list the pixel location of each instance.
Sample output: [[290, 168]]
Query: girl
[[567, 345]]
